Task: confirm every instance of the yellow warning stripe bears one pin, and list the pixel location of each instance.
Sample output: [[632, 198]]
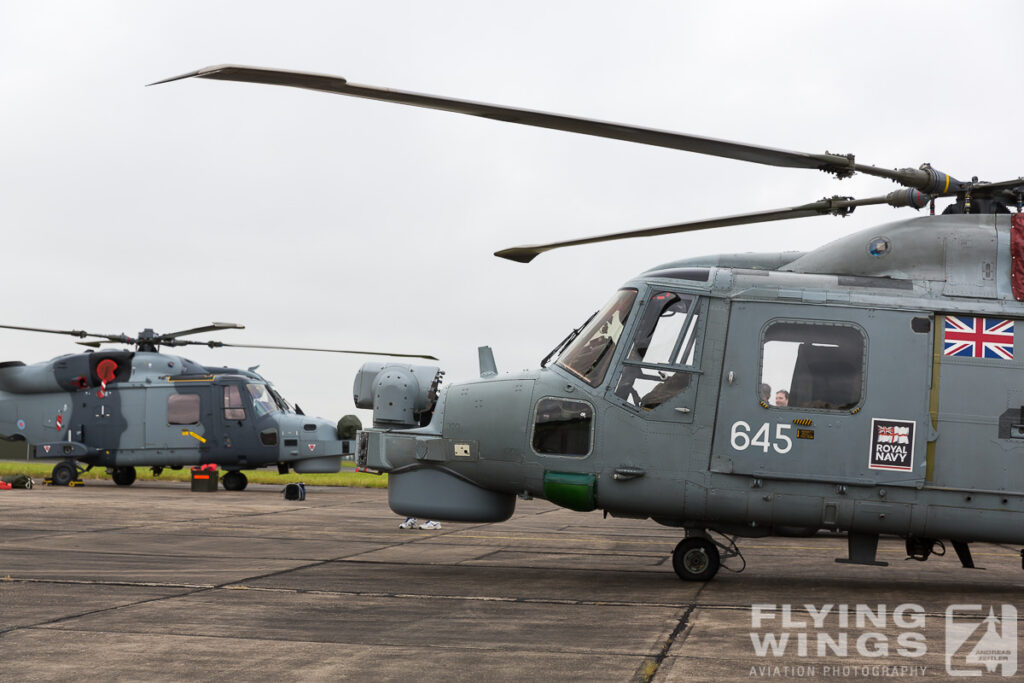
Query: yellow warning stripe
[[197, 437]]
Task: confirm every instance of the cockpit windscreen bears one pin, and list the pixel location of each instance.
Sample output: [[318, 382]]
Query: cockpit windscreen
[[590, 354]]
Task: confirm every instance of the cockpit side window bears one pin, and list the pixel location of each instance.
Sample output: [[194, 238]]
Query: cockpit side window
[[262, 401], [660, 363], [233, 409], [660, 338], [590, 354]]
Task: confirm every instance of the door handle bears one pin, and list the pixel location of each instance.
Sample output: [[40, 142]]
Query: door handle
[[627, 472]]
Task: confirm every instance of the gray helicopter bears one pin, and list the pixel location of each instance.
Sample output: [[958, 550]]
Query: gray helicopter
[[125, 409], [871, 386]]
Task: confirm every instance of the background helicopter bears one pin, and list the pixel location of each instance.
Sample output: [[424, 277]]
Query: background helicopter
[[894, 348], [125, 409]]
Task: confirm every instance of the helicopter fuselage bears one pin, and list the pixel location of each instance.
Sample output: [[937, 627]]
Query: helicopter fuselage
[[122, 409], [886, 396]]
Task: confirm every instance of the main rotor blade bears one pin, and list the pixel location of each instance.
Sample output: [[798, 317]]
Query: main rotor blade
[[111, 338], [73, 333], [835, 205], [841, 165], [197, 330], [217, 345]]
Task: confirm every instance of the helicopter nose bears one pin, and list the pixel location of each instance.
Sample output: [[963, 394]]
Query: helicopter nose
[[311, 445], [317, 434]]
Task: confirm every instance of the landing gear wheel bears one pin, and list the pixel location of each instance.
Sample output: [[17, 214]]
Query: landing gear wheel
[[696, 559], [123, 476], [63, 473], [235, 481]]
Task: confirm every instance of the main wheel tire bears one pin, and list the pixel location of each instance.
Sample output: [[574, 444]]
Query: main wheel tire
[[696, 559], [123, 476], [235, 481], [63, 474]]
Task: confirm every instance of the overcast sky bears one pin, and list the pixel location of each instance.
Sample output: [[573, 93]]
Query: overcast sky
[[320, 220]]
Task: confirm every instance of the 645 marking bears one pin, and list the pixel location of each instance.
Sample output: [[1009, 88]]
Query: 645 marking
[[740, 439]]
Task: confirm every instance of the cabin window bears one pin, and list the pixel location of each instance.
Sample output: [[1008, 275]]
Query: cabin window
[[183, 409], [233, 403], [590, 354], [562, 427], [666, 339], [812, 365]]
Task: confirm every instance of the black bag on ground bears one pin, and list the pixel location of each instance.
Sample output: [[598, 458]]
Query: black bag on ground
[[18, 481]]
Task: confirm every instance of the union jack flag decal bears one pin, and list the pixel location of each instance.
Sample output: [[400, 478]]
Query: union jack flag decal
[[979, 337]]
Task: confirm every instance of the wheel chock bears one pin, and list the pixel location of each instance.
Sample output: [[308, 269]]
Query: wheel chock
[[48, 481]]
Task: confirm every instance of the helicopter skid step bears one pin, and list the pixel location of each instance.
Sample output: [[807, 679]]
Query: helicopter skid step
[[862, 549]]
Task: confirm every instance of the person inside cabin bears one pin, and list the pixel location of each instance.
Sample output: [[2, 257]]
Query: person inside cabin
[[781, 398]]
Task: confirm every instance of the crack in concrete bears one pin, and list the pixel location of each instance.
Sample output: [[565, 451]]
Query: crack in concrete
[[649, 668], [136, 603]]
